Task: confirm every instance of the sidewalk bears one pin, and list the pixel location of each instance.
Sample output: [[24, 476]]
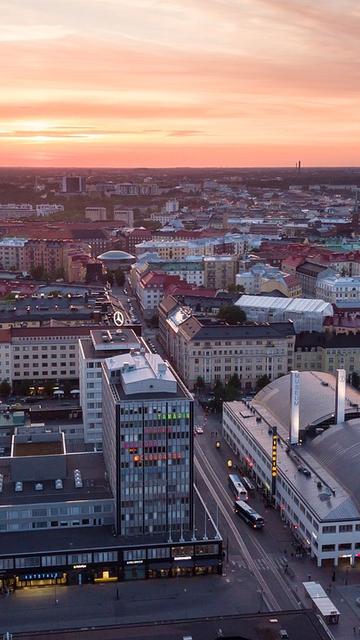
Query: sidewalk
[[342, 585]]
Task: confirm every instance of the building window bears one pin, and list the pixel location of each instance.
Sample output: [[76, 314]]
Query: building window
[[329, 529], [328, 547], [345, 527]]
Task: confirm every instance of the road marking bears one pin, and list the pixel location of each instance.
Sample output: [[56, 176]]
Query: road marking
[[251, 564]]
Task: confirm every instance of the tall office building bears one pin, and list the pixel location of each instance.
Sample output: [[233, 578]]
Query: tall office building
[[148, 445]]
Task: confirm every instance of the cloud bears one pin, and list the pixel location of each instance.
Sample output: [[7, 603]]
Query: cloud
[[33, 33]]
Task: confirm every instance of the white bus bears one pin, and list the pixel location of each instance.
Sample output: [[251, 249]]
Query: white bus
[[237, 487]]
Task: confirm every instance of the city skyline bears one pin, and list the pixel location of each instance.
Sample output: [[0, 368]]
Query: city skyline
[[146, 83]]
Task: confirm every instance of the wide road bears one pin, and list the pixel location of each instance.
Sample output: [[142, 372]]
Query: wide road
[[259, 553]]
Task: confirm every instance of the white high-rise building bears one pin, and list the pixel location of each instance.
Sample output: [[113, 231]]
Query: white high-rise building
[[92, 352]]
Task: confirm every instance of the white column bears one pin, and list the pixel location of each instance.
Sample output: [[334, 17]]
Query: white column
[[294, 407], [340, 396]]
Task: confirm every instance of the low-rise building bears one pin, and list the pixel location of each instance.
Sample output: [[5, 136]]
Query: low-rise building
[[306, 314], [312, 481]]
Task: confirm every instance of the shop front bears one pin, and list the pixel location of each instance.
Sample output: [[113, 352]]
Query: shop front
[[159, 570], [182, 568], [207, 567], [42, 579], [134, 570], [106, 574]]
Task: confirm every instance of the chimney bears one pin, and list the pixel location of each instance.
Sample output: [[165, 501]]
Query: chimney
[[294, 407], [340, 396]]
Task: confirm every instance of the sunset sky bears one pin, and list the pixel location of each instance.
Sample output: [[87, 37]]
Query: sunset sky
[[179, 82]]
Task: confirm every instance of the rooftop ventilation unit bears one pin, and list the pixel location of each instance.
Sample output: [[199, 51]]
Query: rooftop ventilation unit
[[18, 486], [58, 484], [39, 486]]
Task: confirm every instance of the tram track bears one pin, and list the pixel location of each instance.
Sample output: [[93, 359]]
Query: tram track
[[225, 506]]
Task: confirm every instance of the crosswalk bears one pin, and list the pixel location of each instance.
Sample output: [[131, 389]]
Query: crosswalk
[[263, 564]]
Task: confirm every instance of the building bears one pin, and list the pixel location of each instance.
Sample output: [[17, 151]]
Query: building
[[337, 289], [307, 274], [261, 278], [306, 314], [126, 216], [313, 482], [12, 254], [95, 214], [93, 350], [190, 269], [148, 445], [116, 259], [220, 271], [151, 290], [328, 352], [127, 239], [56, 305], [73, 185], [204, 347]]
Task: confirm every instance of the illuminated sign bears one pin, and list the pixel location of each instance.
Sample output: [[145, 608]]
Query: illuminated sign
[[118, 319], [274, 455], [177, 558], [79, 566], [135, 562], [41, 576]]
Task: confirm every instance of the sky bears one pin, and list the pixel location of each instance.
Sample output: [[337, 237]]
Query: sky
[[130, 83]]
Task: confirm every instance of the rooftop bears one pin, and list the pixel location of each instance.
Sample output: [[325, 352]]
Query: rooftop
[[92, 469], [294, 305]]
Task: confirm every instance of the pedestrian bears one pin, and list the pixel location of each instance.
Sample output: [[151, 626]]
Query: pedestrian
[[354, 630]]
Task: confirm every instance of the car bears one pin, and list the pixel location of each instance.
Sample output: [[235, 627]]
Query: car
[[199, 429]]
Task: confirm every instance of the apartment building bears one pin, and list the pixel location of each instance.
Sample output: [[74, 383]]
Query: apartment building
[[12, 254], [327, 352], [220, 271], [209, 348], [332, 287]]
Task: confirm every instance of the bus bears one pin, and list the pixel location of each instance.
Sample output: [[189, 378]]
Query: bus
[[237, 487], [247, 513], [321, 602], [247, 484]]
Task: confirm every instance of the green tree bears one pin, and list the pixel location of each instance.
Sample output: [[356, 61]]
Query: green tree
[[5, 389], [236, 288], [262, 382], [232, 314]]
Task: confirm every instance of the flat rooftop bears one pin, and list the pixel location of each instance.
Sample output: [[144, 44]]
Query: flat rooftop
[[76, 538], [92, 469], [23, 449]]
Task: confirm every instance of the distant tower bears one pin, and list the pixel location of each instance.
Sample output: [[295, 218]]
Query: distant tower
[[299, 166]]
